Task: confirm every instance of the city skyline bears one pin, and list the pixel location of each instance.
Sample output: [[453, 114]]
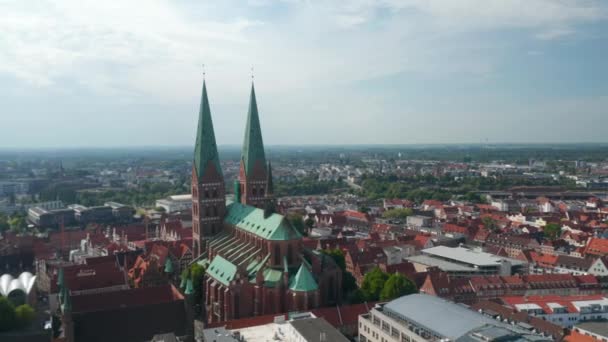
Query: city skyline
[[389, 72]]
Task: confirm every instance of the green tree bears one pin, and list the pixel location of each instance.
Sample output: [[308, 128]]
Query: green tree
[[397, 213], [489, 223], [4, 225], [17, 224], [24, 315], [552, 230], [197, 272], [397, 285], [373, 283], [297, 222], [7, 315]]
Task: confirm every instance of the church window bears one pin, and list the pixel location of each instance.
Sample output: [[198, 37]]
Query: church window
[[207, 211], [289, 254], [214, 193], [206, 193], [214, 210], [277, 255], [261, 192], [254, 191]]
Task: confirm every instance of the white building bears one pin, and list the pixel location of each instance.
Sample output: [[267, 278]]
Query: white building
[[566, 311], [175, 203]]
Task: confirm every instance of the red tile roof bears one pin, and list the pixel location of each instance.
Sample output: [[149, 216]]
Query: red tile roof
[[125, 298]]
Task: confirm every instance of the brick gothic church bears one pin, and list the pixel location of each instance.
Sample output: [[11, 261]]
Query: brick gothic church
[[256, 262]]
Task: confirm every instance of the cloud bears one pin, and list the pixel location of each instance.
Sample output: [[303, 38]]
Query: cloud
[[313, 59], [555, 33]]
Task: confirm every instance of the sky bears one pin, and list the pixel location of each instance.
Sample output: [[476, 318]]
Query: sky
[[90, 73]]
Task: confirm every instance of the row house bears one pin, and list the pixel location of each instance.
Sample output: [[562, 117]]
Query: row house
[[513, 244], [471, 290]]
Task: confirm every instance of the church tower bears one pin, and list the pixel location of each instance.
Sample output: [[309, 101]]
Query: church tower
[[208, 191], [255, 178]]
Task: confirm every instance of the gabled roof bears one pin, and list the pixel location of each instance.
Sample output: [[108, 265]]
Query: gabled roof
[[253, 220], [205, 148], [222, 270], [253, 146], [303, 280]]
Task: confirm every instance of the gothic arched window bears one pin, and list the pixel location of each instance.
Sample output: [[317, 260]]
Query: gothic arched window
[[277, 254]]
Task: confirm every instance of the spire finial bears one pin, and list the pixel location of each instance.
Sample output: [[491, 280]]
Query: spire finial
[[203, 71], [252, 76]]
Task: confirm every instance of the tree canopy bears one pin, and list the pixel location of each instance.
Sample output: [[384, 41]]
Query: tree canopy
[[7, 315], [552, 230], [373, 283], [396, 286], [397, 213]]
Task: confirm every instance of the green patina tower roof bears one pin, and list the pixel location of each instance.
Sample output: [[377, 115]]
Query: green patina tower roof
[[251, 219], [253, 146], [60, 278], [205, 148], [303, 280], [189, 287], [168, 265]]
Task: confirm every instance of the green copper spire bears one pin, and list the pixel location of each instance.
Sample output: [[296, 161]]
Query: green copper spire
[[253, 146], [60, 278], [303, 281], [189, 287], [205, 149], [168, 265]]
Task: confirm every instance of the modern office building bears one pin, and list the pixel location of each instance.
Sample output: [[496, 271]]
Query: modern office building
[[420, 317], [464, 262]]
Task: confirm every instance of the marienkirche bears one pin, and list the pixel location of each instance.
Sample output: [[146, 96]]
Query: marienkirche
[[256, 262]]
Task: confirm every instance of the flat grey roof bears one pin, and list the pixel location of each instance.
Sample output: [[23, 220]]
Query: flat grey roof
[[435, 314], [442, 264], [313, 328], [219, 335], [597, 327], [468, 256]]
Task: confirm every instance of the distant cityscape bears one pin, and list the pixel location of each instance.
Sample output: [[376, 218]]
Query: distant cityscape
[[376, 243]]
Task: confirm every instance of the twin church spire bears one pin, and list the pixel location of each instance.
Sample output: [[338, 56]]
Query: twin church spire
[[254, 183]]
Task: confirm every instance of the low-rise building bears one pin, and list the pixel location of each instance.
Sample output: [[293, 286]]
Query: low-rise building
[[403, 320], [464, 262], [566, 311], [175, 203]]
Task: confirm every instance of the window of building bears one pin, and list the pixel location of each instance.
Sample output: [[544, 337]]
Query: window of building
[[277, 255], [206, 193], [261, 192], [289, 254], [254, 191]]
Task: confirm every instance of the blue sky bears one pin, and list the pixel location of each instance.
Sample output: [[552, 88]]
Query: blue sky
[[128, 73]]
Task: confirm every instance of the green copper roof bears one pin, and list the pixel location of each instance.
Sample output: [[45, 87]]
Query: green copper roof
[[189, 287], [303, 281], [205, 148], [253, 146], [251, 219], [60, 278], [168, 265], [272, 277], [222, 270]]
